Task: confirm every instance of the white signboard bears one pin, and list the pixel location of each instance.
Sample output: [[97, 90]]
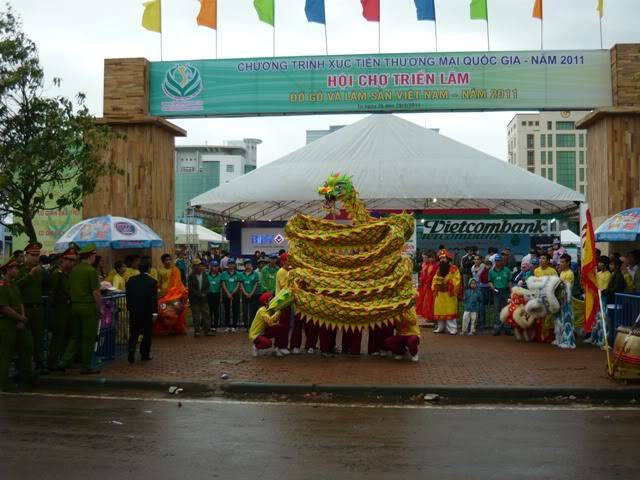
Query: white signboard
[[481, 228], [268, 240]]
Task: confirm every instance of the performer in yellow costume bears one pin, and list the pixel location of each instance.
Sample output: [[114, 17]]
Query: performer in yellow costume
[[445, 286]]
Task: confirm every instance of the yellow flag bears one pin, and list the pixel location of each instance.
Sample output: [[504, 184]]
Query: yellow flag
[[600, 7], [208, 16], [152, 16]]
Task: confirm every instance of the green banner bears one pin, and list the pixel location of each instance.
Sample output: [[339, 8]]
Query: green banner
[[525, 80]]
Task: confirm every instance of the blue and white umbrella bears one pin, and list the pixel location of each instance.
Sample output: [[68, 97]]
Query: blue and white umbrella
[[110, 232], [622, 227]]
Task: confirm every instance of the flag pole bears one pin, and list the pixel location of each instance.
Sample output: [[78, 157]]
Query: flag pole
[[326, 40], [601, 43], [488, 43], [604, 329], [160, 46], [435, 31], [217, 25], [541, 34], [379, 47], [274, 30]]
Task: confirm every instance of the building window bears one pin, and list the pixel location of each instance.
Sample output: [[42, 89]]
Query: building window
[[230, 168], [550, 173], [565, 140], [581, 188], [530, 141], [581, 176], [543, 142], [581, 141], [549, 158], [543, 172], [543, 158], [549, 140], [565, 126], [581, 153], [549, 126], [537, 124], [566, 167], [524, 124], [531, 124], [188, 169], [531, 169], [531, 158]]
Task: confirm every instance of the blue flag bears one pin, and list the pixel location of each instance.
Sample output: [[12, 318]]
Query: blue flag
[[314, 9], [426, 10]]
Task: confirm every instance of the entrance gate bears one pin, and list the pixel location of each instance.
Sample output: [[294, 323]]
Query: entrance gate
[[139, 94]]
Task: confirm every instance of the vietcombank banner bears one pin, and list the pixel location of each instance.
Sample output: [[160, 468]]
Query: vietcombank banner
[[525, 80]]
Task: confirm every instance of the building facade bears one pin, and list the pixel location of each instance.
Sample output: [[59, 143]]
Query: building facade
[[548, 144], [200, 168], [313, 135]]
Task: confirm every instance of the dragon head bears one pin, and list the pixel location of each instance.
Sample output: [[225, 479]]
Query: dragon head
[[336, 187], [283, 299]]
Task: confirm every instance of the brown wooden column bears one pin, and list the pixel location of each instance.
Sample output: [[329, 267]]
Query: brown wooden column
[[613, 140], [144, 150]]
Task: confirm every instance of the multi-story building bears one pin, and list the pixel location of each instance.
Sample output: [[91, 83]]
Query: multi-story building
[[313, 135], [548, 144], [200, 168]]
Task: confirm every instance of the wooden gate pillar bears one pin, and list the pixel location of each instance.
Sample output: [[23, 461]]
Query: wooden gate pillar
[[613, 140], [144, 150]]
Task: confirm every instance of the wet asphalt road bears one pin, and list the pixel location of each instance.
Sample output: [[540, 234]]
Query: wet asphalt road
[[83, 438]]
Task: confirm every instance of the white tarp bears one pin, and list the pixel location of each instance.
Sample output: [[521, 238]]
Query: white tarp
[[395, 164], [203, 234], [567, 237]]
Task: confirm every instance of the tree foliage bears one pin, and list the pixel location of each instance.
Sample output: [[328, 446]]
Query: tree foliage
[[52, 152]]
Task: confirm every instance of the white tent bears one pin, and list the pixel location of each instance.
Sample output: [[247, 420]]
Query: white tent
[[395, 164], [567, 237], [203, 235]]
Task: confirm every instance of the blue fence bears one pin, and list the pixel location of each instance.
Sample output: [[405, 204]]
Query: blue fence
[[627, 309], [113, 334]]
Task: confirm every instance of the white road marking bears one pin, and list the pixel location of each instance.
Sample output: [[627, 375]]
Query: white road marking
[[224, 401]]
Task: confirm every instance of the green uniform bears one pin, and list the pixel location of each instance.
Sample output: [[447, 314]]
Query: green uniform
[[214, 282], [248, 281], [268, 279], [230, 281], [13, 339], [84, 315], [31, 291], [59, 315]]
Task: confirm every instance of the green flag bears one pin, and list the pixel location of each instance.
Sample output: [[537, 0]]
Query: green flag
[[265, 10], [478, 10]]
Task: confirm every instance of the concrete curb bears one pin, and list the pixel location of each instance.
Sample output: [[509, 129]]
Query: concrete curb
[[464, 393], [454, 393]]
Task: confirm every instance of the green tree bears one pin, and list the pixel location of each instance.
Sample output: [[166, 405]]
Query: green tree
[[52, 152]]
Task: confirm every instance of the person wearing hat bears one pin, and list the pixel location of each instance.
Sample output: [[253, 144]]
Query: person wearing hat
[[213, 295], [31, 282], [265, 326], [86, 304], [198, 285], [15, 336], [249, 290], [445, 286], [268, 274], [230, 283], [60, 306], [558, 251]]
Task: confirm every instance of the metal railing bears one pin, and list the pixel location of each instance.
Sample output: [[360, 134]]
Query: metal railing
[[627, 309], [113, 334]]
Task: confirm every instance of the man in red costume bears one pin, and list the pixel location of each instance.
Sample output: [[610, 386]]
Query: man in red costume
[[424, 306], [172, 301]]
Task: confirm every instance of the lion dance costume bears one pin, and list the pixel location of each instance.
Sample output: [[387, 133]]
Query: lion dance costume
[[349, 277], [172, 305]]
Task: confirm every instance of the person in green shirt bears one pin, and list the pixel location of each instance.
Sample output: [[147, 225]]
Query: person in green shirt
[[60, 307], [231, 295], [500, 283], [15, 336], [268, 275], [86, 304], [250, 292], [31, 281], [213, 296]]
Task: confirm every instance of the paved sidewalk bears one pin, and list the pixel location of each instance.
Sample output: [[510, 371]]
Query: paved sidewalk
[[445, 360]]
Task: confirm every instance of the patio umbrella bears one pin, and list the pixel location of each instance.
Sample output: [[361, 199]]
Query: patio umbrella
[[110, 232], [622, 227]]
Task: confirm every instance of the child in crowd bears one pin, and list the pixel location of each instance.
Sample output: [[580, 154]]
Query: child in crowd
[[472, 307], [406, 339], [266, 326]]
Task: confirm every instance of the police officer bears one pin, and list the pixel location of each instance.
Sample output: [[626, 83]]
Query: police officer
[[86, 303], [15, 336], [31, 284], [60, 306]]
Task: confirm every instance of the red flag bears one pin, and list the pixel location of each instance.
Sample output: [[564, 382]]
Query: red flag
[[537, 9], [588, 275], [371, 10]]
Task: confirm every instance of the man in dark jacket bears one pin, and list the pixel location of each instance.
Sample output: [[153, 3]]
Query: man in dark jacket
[[142, 303], [198, 285]]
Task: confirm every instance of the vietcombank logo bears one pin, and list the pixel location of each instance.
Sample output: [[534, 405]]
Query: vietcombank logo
[[481, 228], [182, 83]]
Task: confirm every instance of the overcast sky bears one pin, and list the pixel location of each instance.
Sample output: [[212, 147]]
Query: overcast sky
[[75, 36]]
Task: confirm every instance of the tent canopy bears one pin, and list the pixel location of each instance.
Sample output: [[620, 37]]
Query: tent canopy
[[567, 237], [203, 234], [395, 164]]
